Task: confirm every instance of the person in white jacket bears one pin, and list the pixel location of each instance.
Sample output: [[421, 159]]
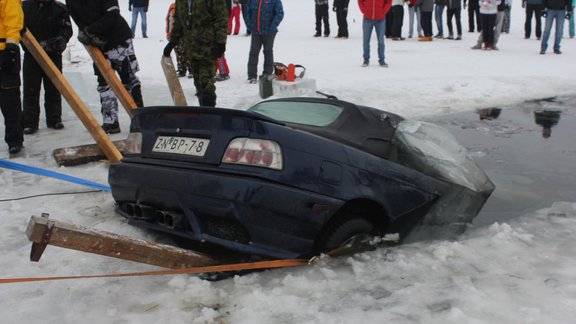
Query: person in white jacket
[[488, 13]]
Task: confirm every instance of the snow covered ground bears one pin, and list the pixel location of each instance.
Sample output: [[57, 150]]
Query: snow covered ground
[[520, 271]]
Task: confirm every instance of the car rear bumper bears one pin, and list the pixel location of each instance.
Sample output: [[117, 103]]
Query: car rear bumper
[[242, 213]]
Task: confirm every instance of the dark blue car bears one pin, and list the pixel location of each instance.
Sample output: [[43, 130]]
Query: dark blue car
[[287, 178]]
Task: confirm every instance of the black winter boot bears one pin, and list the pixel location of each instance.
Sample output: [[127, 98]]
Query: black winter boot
[[137, 96]]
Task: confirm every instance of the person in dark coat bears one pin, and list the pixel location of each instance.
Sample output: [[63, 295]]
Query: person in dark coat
[[11, 23], [138, 7], [321, 12], [100, 24], [473, 15], [49, 22], [341, 9]]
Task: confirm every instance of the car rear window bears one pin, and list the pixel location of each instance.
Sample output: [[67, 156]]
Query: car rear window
[[305, 113]]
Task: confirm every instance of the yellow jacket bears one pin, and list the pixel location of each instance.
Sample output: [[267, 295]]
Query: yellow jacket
[[11, 22]]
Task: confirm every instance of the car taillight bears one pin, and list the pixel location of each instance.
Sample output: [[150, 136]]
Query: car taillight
[[134, 143], [255, 152]]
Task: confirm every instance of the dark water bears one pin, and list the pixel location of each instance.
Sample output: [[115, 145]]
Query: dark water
[[527, 150]]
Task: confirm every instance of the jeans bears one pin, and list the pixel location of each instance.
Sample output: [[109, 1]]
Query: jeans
[[411, 11], [438, 10], [552, 15], [256, 43], [135, 12], [380, 27]]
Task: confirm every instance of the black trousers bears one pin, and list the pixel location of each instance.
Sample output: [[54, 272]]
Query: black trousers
[[456, 14], [322, 16], [426, 22], [11, 103], [474, 13], [535, 10], [33, 78], [341, 19], [396, 17], [488, 24]]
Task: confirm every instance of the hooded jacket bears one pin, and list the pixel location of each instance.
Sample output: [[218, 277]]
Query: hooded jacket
[[374, 9]]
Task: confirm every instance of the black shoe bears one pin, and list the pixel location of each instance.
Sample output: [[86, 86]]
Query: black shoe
[[30, 130], [113, 128], [57, 125], [252, 80], [557, 51], [181, 74], [190, 75], [15, 149], [542, 52], [317, 35], [145, 36]]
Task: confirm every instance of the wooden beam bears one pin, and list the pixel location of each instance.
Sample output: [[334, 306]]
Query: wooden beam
[[112, 79], [174, 85], [43, 231], [83, 113], [81, 154]]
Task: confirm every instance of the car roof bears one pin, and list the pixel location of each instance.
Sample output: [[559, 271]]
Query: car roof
[[365, 128]]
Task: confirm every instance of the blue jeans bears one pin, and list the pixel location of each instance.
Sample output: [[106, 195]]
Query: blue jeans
[[135, 12], [438, 10], [411, 12], [552, 15], [380, 27]]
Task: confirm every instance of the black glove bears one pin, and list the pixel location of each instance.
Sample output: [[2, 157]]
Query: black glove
[[86, 38], [218, 50], [544, 13], [129, 8], [168, 49], [57, 44], [568, 15], [10, 56]]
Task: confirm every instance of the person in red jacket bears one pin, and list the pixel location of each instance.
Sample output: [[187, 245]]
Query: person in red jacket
[[374, 12]]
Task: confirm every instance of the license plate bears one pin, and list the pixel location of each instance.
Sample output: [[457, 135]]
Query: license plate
[[181, 145]]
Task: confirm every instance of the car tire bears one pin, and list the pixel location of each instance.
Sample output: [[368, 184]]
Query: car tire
[[341, 232]]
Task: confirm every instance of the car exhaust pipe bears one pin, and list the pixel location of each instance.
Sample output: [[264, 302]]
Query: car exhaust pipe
[[170, 220]]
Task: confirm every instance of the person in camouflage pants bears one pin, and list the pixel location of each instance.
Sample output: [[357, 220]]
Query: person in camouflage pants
[[203, 27]]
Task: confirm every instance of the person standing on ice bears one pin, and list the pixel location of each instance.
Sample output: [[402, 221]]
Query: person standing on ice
[[203, 27], [49, 22], [101, 25], [374, 17], [555, 10], [321, 12], [11, 23], [262, 19], [138, 7]]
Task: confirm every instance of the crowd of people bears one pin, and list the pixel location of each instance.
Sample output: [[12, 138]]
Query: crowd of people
[[197, 31]]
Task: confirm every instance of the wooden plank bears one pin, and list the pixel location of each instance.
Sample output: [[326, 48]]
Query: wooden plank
[[112, 245], [111, 78], [76, 155], [174, 85], [101, 138]]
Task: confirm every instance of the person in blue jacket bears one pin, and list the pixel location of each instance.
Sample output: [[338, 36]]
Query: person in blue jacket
[[262, 19]]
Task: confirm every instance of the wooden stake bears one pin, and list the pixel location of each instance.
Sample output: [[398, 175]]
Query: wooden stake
[[101, 138], [174, 85], [112, 79], [43, 231]]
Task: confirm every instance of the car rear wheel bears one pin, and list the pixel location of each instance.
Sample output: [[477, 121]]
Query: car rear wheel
[[341, 233]]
